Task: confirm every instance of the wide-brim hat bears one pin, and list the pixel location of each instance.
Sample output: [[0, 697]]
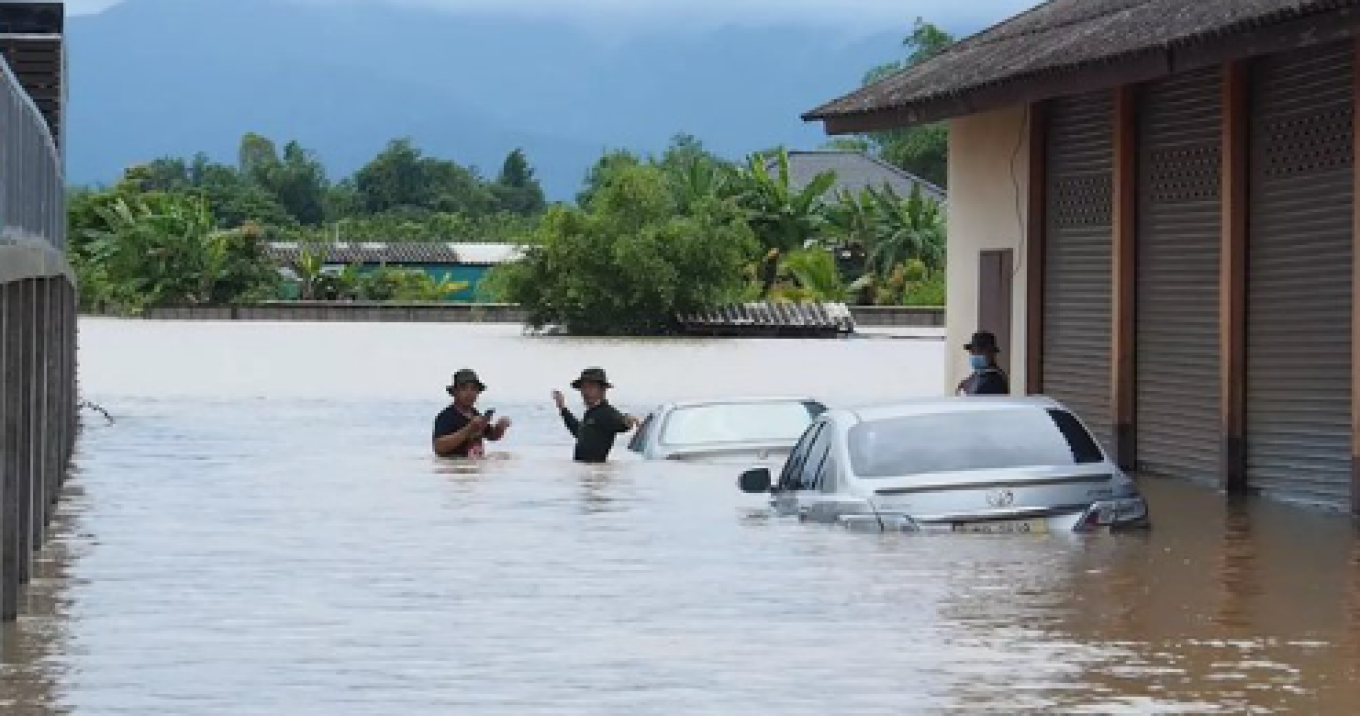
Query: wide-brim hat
[[983, 341], [464, 376], [592, 375]]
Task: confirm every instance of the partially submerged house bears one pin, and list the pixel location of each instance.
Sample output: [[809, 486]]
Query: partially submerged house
[[458, 262], [1153, 204]]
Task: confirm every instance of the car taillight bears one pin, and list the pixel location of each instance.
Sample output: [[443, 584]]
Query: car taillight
[[1129, 511]]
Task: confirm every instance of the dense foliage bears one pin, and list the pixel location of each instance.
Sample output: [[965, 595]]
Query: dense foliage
[[629, 260], [648, 237]]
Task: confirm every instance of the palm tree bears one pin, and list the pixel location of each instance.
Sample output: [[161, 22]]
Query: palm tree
[[783, 219]]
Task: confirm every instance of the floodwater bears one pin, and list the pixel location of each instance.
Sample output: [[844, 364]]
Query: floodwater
[[262, 531]]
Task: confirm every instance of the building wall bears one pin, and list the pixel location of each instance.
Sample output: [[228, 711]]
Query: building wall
[[987, 210]]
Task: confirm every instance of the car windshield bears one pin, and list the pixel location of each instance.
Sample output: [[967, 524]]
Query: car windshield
[[739, 422], [970, 440]]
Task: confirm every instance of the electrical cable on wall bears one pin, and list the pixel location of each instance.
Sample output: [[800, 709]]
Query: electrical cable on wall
[[1015, 187]]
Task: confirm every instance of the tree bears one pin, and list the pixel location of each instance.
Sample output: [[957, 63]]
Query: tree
[[392, 179], [160, 248], [256, 155], [517, 190], [910, 229], [815, 274], [402, 179], [165, 174], [921, 150], [604, 168], [298, 183], [629, 262], [782, 218]]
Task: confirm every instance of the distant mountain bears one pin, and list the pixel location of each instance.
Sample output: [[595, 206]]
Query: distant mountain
[[171, 77]]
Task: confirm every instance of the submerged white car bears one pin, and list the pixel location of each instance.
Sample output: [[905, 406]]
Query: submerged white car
[[737, 429], [977, 464]]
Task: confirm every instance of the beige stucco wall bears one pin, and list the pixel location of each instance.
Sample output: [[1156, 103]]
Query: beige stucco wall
[[987, 210]]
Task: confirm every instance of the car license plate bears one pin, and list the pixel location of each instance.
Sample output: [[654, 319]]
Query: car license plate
[[1025, 527]]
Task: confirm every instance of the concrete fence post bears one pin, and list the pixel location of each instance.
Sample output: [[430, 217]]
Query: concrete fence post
[[42, 386], [9, 447], [28, 391]]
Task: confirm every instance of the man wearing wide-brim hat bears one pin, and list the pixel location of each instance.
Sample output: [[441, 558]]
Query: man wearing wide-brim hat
[[461, 430], [987, 377], [596, 429]]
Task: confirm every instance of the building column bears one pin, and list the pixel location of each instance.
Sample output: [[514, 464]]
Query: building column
[[1034, 250], [1355, 292], [1232, 278], [1124, 267]]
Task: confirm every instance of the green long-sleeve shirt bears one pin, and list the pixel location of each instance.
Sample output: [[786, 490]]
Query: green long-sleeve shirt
[[595, 431]]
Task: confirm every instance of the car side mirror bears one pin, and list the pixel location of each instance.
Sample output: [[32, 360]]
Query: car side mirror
[[755, 481]]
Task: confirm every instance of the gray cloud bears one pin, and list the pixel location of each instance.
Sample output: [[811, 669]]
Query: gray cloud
[[843, 14]]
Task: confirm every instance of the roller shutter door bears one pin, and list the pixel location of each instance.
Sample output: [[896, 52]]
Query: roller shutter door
[[1179, 220], [1299, 276], [1075, 366]]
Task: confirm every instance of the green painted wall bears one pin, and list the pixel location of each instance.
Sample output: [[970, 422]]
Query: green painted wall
[[473, 275]]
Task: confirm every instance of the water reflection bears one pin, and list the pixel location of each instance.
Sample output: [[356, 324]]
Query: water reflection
[[305, 555], [33, 650]]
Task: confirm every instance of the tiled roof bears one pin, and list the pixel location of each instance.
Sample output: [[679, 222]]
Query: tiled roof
[[398, 252], [855, 171], [1060, 37]]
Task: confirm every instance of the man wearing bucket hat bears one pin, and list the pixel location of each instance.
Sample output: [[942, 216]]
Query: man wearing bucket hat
[[987, 377], [460, 429], [596, 429]]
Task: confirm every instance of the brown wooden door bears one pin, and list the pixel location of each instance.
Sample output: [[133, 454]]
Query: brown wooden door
[[996, 269]]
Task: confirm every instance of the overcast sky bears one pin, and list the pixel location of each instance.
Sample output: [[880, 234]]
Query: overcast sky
[[849, 14]]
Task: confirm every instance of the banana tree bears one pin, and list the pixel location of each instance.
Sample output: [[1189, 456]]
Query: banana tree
[[911, 228], [696, 180], [158, 249], [782, 218], [310, 265], [815, 272]]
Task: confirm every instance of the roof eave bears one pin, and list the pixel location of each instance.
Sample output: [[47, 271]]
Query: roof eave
[[1141, 66]]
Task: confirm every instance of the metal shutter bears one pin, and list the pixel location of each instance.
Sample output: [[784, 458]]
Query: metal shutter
[[1299, 280], [1179, 136], [1075, 367]]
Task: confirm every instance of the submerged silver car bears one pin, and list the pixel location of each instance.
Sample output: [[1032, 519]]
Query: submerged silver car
[[979, 464], [738, 429]]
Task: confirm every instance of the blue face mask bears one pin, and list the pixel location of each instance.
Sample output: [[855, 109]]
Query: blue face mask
[[978, 362]]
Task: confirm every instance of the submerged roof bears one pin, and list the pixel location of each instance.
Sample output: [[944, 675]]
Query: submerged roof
[[399, 252], [1068, 46]]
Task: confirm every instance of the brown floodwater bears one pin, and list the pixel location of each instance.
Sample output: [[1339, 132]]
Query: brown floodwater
[[262, 531]]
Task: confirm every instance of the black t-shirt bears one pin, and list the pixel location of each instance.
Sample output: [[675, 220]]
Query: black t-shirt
[[595, 431], [988, 381], [450, 421]]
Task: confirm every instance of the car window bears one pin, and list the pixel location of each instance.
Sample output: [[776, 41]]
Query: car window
[[639, 441], [793, 467], [719, 423], [970, 440]]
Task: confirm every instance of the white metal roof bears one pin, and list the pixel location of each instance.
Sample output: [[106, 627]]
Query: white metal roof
[[487, 253]]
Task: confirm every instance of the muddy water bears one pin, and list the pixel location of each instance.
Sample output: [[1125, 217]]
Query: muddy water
[[262, 532]]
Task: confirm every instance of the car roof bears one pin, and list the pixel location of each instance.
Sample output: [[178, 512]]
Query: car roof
[[740, 400], [939, 406]]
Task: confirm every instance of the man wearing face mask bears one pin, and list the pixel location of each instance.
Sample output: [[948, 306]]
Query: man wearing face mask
[[987, 377]]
